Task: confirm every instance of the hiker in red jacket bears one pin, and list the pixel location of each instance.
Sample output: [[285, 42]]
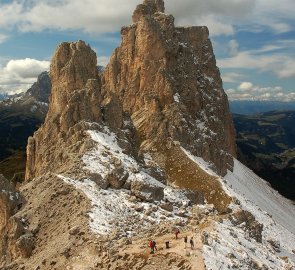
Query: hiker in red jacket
[[152, 246]]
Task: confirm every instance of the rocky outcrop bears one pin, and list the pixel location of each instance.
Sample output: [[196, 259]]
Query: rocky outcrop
[[15, 241], [251, 225], [75, 96], [167, 80], [10, 201]]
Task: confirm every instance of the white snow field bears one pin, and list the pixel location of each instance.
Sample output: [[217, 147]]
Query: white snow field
[[232, 248]]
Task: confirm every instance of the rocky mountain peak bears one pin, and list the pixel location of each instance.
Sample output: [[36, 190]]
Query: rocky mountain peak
[[148, 8], [167, 80], [72, 66], [41, 89], [75, 97]]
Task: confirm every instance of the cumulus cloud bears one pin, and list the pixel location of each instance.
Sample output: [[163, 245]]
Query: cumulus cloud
[[18, 75], [26, 68], [249, 91], [245, 86]]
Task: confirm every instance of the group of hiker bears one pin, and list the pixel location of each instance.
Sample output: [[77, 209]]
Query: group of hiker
[[153, 244]]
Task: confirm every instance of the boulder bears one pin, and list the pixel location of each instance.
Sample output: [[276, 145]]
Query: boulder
[[252, 226], [102, 182], [117, 177], [147, 190], [167, 206]]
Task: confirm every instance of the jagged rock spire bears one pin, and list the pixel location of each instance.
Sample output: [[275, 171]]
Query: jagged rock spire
[[148, 7], [155, 5]]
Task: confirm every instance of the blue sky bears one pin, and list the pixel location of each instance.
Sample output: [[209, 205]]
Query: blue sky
[[254, 40]]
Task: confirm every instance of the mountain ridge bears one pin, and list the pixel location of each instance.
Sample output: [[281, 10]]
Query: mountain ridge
[[129, 155]]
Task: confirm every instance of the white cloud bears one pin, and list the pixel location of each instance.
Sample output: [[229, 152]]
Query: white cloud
[[18, 75], [103, 60], [216, 26], [245, 86], [281, 27], [100, 16], [288, 71], [232, 77], [3, 38], [26, 68], [233, 48], [249, 91], [265, 59]]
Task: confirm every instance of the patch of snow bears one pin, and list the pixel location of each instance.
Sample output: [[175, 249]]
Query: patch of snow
[[100, 160], [210, 79], [42, 103], [12, 195], [230, 248], [175, 196], [33, 108], [113, 210], [185, 45], [176, 98], [146, 178]]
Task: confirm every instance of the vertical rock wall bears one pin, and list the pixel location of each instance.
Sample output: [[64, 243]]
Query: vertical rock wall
[[167, 80]]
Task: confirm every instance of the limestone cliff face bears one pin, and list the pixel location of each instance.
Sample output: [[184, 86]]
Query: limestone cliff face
[[75, 96], [167, 80]]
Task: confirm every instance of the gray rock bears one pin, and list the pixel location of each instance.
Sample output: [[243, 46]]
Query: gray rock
[[102, 182], [167, 206], [147, 191], [117, 177], [275, 244]]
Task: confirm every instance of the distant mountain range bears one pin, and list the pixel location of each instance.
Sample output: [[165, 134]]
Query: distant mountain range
[[20, 117], [253, 107], [266, 144]]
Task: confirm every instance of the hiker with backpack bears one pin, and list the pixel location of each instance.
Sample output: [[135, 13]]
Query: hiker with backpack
[[185, 241], [152, 245], [191, 241], [176, 233], [155, 245]]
